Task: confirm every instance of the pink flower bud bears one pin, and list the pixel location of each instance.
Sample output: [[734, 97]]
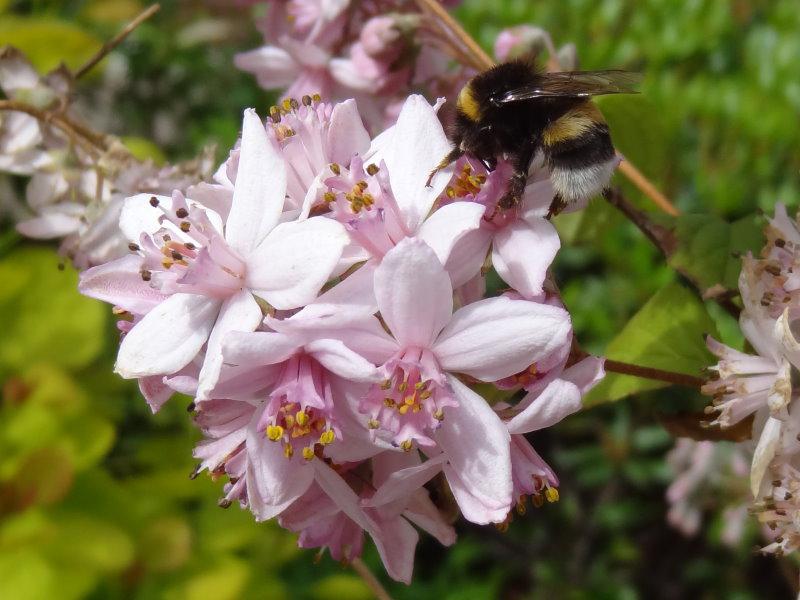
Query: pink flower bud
[[523, 39]]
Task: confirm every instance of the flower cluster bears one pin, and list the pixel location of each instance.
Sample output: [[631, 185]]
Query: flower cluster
[[370, 51], [78, 179], [760, 386], [327, 310]]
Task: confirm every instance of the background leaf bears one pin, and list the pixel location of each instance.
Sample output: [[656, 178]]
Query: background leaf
[[667, 333]]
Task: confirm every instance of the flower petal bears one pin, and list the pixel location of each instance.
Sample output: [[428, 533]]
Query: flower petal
[[414, 293], [260, 188], [558, 400], [168, 337], [272, 66], [396, 540], [498, 337], [278, 479], [346, 133], [50, 224], [340, 360], [476, 443], [764, 453], [155, 391], [467, 257], [405, 482], [295, 260], [523, 252], [424, 514], [240, 312], [258, 348], [120, 283], [342, 494], [417, 145], [445, 227]]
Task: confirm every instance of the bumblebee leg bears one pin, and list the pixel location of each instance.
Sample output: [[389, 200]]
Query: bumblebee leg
[[516, 185], [556, 206], [451, 157]]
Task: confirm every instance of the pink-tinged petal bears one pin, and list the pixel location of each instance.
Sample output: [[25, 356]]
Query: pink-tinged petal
[[537, 198], [586, 374], [260, 188], [168, 337], [445, 227], [120, 283], [476, 443], [346, 133], [346, 73], [356, 291], [403, 483], [523, 251], [386, 463], [343, 496], [468, 256], [764, 453], [16, 71], [50, 224], [295, 260], [272, 66], [414, 293], [278, 479], [263, 510], [396, 540], [239, 313], [498, 337], [418, 143], [558, 400], [155, 391], [139, 216], [258, 348], [358, 329], [340, 360], [423, 513], [786, 338]]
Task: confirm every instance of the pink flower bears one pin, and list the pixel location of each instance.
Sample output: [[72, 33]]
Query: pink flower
[[211, 273], [421, 401]]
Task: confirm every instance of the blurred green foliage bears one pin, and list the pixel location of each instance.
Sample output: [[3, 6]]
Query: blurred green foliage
[[95, 501]]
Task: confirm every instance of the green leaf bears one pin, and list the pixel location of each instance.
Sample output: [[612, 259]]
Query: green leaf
[[143, 149], [48, 41], [24, 575], [44, 317], [103, 547], [166, 544], [707, 248], [89, 438], [667, 333], [222, 580]]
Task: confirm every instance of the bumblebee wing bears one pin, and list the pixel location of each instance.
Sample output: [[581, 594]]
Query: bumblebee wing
[[577, 84]]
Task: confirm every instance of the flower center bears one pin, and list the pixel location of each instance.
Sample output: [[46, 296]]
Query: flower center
[[189, 254], [409, 404], [299, 411]]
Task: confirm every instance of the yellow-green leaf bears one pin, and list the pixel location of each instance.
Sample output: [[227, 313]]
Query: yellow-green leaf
[[49, 41]]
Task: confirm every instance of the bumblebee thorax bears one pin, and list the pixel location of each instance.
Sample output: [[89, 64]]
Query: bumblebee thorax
[[467, 104]]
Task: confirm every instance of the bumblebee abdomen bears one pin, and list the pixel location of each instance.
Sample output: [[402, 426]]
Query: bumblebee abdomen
[[580, 153]]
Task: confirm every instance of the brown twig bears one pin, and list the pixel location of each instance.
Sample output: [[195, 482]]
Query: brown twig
[[480, 60], [616, 366], [645, 186], [116, 40], [370, 579]]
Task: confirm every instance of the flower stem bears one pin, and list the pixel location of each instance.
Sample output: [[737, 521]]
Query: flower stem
[[637, 178], [117, 40], [370, 579], [616, 366]]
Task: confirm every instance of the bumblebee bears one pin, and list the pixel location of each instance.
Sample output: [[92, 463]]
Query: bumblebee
[[515, 111]]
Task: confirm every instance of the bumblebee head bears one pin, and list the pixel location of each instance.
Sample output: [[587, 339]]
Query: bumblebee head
[[467, 104]]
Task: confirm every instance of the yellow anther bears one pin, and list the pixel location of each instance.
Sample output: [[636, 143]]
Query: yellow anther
[[406, 445], [373, 424], [537, 500], [327, 437], [403, 386], [288, 451], [335, 169], [274, 432], [389, 402], [306, 100], [551, 494], [522, 507], [502, 527], [420, 385], [301, 417], [316, 97], [451, 193], [289, 420], [329, 197], [372, 169], [439, 414], [425, 395], [287, 104], [362, 185], [386, 384], [308, 453], [404, 409], [410, 400], [416, 408]]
